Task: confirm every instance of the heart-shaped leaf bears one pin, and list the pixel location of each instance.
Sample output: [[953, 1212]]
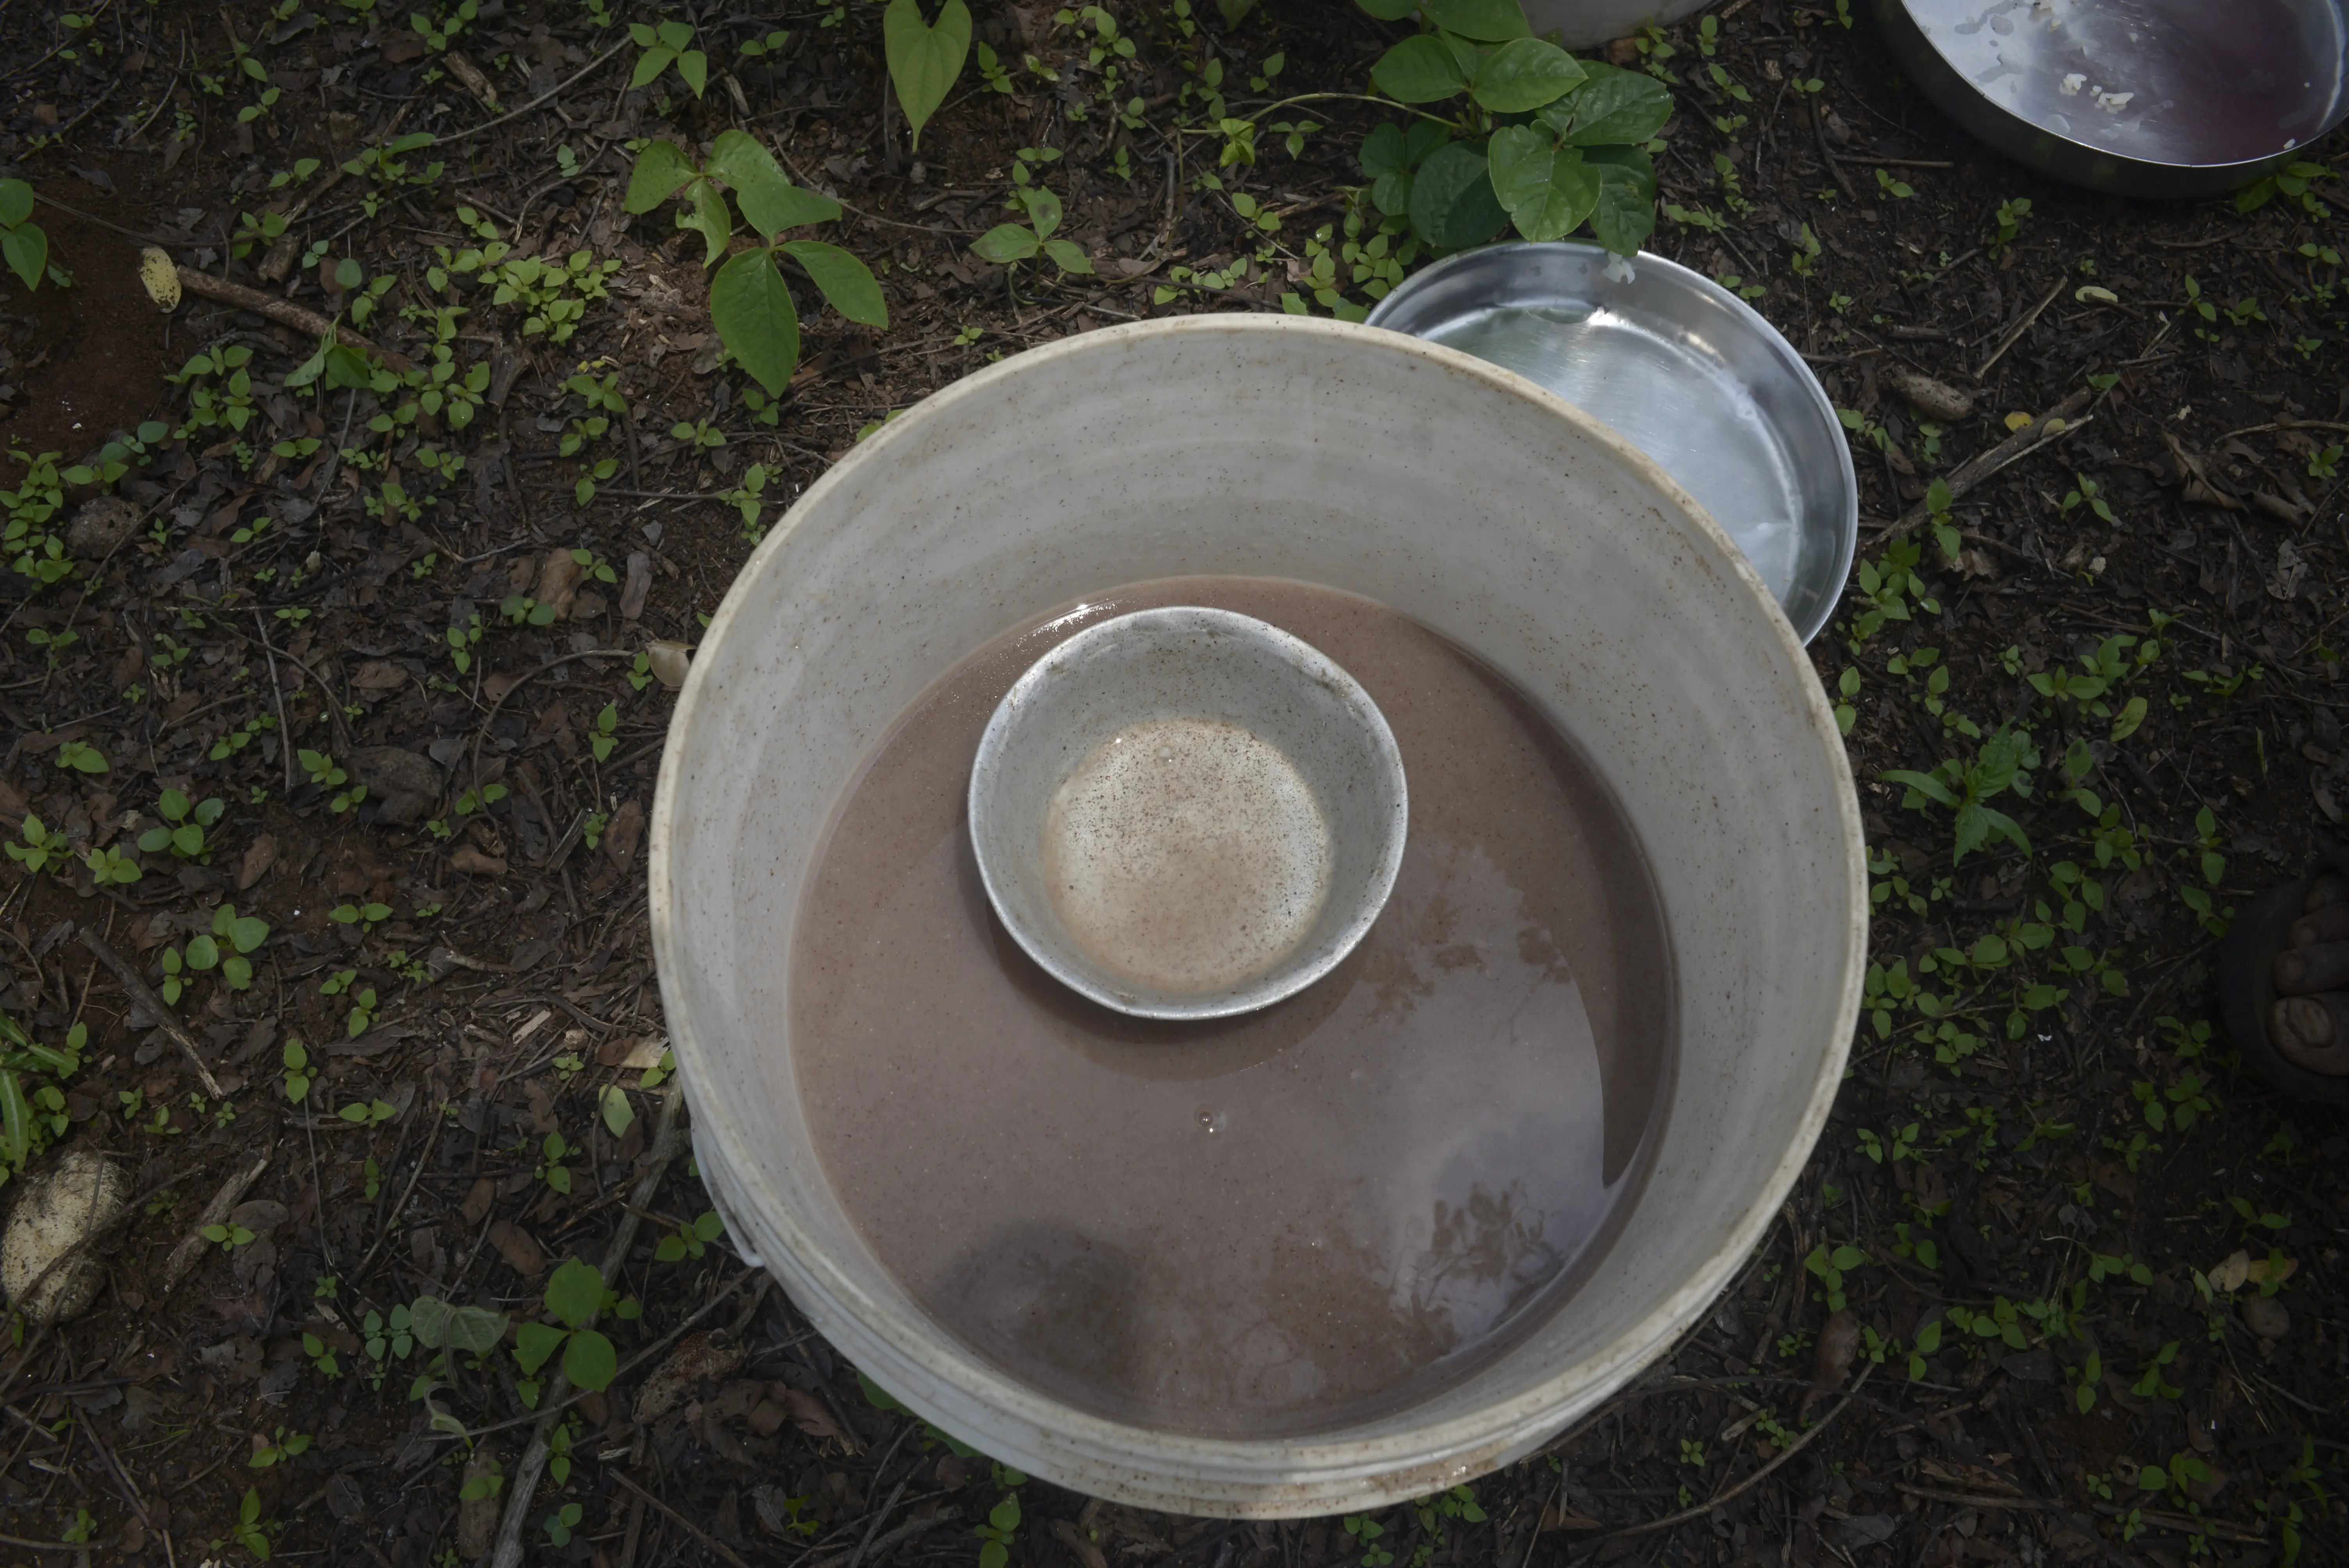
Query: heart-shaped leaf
[[1419, 71], [1525, 74], [1006, 243], [771, 203], [924, 60], [1043, 209], [1451, 201], [753, 310], [590, 1361], [1487, 21], [575, 1293], [1611, 107], [1626, 213], [706, 209], [15, 203]]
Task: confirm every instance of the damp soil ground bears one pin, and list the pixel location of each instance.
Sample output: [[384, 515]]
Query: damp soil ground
[[2059, 1283]]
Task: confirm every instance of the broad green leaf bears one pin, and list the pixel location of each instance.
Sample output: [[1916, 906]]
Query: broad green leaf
[[1925, 784], [1519, 157], [1067, 256], [1389, 10], [662, 168], [533, 1343], [1006, 243], [650, 64], [1525, 74], [475, 1329], [1451, 200], [15, 203], [1419, 71], [924, 60], [770, 201], [1626, 213], [1487, 21], [1043, 209], [676, 35], [756, 320], [247, 932], [590, 1362], [575, 1293], [694, 66], [1231, 11], [707, 211], [203, 953], [619, 1115], [846, 281], [1382, 152], [427, 1320], [1612, 107], [26, 250], [1550, 193]]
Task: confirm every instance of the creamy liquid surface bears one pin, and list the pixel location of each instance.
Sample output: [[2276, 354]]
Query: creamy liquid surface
[[1265, 1225], [1186, 855]]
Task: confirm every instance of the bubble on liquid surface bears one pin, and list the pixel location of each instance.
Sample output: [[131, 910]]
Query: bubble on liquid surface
[[1211, 1120]]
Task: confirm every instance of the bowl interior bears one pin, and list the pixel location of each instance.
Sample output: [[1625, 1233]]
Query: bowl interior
[[1492, 513], [1682, 368], [1187, 813]]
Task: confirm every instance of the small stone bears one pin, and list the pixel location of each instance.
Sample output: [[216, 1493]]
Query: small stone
[[668, 662], [257, 862], [101, 525], [2267, 1317], [54, 1220], [558, 582], [466, 858], [1938, 399], [404, 784]]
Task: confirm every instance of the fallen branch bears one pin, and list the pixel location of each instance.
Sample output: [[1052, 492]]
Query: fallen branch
[[707, 1540], [669, 1142], [286, 312], [145, 997], [2056, 422]]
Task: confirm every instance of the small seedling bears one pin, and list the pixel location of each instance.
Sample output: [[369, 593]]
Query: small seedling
[[228, 1238], [39, 850], [81, 756], [298, 1077], [24, 244], [111, 868], [184, 835], [281, 1446], [368, 1113], [690, 1241], [551, 1168]]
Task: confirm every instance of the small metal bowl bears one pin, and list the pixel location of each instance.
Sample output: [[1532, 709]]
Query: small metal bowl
[[1186, 813], [2171, 99], [1682, 370]]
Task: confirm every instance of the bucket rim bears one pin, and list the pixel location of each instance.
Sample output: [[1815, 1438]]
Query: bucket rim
[[1234, 1478]]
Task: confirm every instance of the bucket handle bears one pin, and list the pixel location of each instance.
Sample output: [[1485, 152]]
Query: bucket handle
[[712, 1185]]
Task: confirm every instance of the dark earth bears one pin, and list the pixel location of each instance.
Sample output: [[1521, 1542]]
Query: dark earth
[[2062, 1282]]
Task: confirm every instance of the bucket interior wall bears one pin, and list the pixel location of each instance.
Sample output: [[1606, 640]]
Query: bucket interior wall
[[1365, 461]]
